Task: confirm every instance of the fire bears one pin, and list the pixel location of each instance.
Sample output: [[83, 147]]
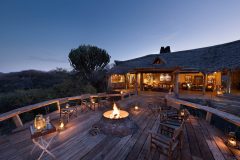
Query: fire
[[115, 112], [61, 125]]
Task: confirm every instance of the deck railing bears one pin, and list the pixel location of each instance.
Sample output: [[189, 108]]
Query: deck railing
[[14, 114], [210, 111]]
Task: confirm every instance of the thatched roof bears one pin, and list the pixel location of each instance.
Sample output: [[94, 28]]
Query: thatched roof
[[208, 59]]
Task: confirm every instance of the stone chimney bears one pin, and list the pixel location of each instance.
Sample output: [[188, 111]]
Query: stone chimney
[[165, 49]]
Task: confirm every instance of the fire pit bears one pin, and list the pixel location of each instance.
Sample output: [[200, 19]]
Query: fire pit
[[115, 113], [116, 122]]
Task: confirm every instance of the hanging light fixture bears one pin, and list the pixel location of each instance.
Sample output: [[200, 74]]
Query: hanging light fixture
[[162, 77]]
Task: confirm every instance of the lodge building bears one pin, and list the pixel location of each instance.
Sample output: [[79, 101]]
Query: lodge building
[[215, 69]]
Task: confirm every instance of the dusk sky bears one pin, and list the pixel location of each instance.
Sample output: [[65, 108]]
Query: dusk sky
[[40, 34]]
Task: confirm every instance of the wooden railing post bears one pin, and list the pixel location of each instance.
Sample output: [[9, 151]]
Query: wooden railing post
[[229, 81], [58, 105], [204, 83], [176, 89], [17, 120]]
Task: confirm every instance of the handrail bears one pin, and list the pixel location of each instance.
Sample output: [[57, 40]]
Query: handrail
[[15, 113], [28, 108], [227, 116]]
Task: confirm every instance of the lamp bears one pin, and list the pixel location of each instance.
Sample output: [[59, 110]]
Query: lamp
[[162, 77], [39, 122], [182, 113], [232, 140], [136, 108], [61, 126], [67, 105]]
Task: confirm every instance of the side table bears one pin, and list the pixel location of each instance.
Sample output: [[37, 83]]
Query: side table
[[39, 140]]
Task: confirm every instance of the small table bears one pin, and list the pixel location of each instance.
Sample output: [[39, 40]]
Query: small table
[[38, 139]]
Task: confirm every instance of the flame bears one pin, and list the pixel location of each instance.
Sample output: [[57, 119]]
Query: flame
[[61, 125], [115, 112]]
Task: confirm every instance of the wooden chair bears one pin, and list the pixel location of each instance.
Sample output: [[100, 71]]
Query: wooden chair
[[85, 105], [103, 99], [155, 109], [168, 141], [94, 103], [67, 110]]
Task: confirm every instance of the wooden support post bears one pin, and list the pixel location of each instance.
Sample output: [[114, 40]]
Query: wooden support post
[[229, 81], [136, 84], [141, 81], [176, 88], [126, 81], [17, 120], [109, 84], [58, 106], [204, 83], [208, 117]]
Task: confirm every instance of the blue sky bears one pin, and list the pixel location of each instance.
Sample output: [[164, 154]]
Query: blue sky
[[40, 34]]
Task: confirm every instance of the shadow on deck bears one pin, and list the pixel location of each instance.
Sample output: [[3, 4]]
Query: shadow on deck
[[201, 141]]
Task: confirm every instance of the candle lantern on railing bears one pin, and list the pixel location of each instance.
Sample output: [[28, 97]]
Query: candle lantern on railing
[[67, 105], [136, 108], [182, 113], [61, 125], [39, 122], [232, 140]]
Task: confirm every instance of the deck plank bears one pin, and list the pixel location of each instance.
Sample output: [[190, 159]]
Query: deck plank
[[192, 139], [125, 150], [186, 154], [200, 140], [141, 141], [204, 149], [218, 142], [146, 147]]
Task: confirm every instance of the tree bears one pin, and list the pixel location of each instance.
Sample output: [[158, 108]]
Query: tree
[[87, 60]]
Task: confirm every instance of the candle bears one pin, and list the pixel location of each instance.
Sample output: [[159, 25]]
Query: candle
[[61, 126], [232, 142]]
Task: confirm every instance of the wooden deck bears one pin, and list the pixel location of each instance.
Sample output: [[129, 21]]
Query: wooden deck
[[201, 141]]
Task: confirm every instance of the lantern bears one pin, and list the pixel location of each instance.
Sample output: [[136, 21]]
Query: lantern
[[92, 100], [136, 108], [39, 122], [67, 105], [232, 141], [61, 126], [182, 113]]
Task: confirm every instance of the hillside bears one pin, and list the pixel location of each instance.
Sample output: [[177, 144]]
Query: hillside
[[30, 79]]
